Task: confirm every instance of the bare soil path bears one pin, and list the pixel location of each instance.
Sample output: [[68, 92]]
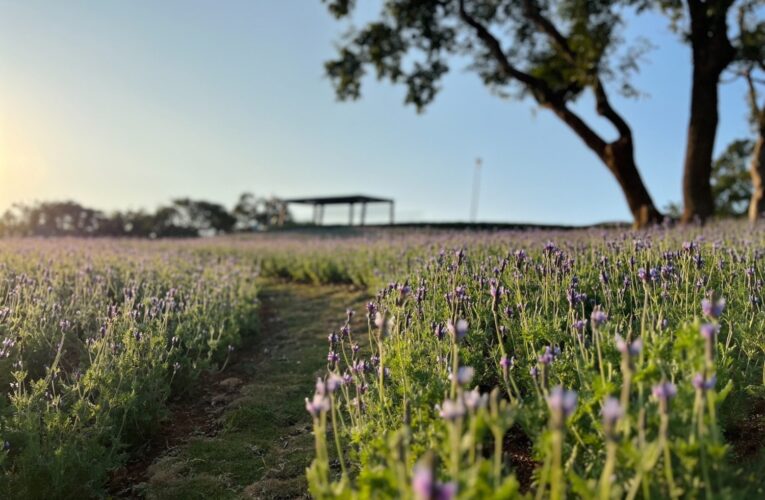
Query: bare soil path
[[244, 433]]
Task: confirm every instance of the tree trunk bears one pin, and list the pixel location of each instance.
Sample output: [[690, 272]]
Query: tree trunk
[[619, 156], [702, 129], [712, 53], [757, 171]]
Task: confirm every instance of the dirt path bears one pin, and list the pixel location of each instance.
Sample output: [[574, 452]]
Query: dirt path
[[245, 433]]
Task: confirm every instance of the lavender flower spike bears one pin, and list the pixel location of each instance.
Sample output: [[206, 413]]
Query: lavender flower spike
[[703, 384], [663, 392], [598, 317], [562, 404], [713, 309], [317, 405], [425, 486], [458, 330], [464, 375]]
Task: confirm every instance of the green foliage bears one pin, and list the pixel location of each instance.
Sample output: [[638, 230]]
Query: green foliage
[[412, 42], [731, 182]]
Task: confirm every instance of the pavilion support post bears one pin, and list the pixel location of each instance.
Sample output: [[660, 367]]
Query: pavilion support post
[[363, 213], [350, 214], [392, 219], [321, 215], [315, 215]]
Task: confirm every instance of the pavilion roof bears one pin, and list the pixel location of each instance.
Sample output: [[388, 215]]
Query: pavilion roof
[[337, 200]]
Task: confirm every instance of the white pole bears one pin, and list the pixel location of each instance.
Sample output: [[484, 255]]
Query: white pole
[[476, 190]]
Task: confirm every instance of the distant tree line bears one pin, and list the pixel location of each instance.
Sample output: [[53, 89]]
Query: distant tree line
[[183, 217]]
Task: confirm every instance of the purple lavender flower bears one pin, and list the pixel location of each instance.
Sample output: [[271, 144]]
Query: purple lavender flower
[[704, 384], [633, 349], [713, 309], [604, 278], [642, 275], [333, 357], [460, 255], [653, 275], [359, 367], [425, 487], [598, 317], [321, 387], [345, 331], [451, 410], [708, 331], [334, 381], [474, 399], [663, 392], [371, 309], [318, 405], [546, 358], [458, 330], [464, 375], [612, 411], [562, 404], [580, 324], [507, 363]]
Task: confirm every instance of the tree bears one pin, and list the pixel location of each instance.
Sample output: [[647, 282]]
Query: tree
[[551, 51], [751, 66], [255, 213], [204, 216], [703, 24], [247, 211], [731, 185], [274, 212], [56, 218]]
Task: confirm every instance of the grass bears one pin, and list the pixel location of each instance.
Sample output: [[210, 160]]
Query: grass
[[263, 443]]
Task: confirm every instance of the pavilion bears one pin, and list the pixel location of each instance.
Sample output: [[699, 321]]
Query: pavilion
[[320, 202]]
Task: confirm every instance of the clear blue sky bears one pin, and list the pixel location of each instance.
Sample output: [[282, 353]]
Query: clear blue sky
[[126, 104]]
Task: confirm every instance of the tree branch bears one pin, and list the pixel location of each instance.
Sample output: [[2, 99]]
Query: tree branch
[[495, 48], [544, 96], [534, 13], [604, 107], [605, 110]]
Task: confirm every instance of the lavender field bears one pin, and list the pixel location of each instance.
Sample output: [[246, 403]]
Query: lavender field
[[579, 364], [596, 364]]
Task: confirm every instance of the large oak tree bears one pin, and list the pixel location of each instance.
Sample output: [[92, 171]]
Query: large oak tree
[[550, 51]]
